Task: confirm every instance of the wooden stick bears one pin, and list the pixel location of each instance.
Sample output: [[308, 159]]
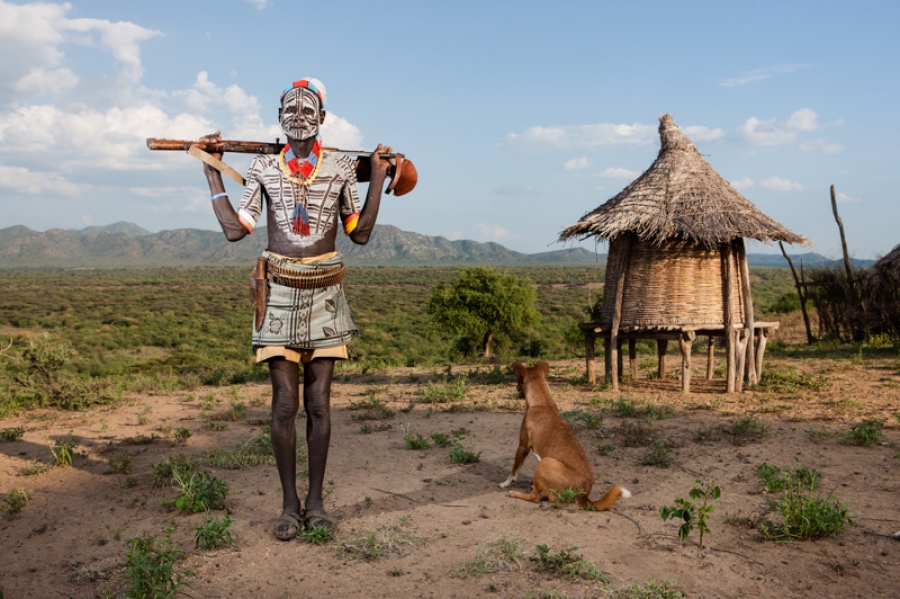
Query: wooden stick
[[617, 314], [728, 318], [801, 293], [748, 359], [840, 224]]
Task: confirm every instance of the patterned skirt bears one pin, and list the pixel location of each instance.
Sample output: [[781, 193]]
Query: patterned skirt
[[305, 318]]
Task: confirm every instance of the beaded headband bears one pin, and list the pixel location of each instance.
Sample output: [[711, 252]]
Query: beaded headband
[[313, 85]]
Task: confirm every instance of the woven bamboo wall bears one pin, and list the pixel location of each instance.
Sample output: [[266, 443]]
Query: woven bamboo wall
[[677, 283]]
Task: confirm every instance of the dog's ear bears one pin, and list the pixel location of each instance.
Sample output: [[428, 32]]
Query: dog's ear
[[543, 367], [520, 369]]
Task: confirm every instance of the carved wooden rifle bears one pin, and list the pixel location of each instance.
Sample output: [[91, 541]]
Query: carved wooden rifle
[[402, 172]]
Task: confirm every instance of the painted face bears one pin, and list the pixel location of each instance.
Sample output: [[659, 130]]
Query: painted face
[[300, 114]]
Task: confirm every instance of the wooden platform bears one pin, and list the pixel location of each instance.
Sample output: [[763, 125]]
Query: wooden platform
[[745, 365]]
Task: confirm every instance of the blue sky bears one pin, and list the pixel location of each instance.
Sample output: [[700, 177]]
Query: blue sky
[[520, 116]]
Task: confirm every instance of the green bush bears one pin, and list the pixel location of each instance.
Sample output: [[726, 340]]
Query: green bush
[[151, 566]]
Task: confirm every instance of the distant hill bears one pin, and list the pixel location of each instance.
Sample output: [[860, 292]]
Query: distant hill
[[126, 245]]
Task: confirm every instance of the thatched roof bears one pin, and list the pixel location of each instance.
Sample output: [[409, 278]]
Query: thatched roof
[[680, 197], [890, 263]]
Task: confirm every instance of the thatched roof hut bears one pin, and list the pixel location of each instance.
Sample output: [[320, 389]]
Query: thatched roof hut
[[889, 264], [679, 197], [677, 260]]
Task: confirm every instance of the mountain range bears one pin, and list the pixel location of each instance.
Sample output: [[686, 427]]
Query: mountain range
[[127, 245]]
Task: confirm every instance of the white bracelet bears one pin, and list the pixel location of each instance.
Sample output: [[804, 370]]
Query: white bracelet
[[217, 196]]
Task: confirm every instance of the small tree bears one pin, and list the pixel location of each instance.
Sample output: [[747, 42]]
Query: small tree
[[481, 302]]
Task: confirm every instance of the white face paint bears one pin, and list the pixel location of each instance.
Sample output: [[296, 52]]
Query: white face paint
[[300, 114]]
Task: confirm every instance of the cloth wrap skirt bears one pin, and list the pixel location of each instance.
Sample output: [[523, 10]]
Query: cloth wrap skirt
[[300, 318]]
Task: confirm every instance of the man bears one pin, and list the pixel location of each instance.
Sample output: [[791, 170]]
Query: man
[[302, 313]]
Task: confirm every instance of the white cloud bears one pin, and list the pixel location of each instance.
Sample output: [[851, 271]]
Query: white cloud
[[763, 73], [23, 180], [774, 133], [843, 197], [571, 137], [338, 132], [36, 34], [745, 183], [701, 133], [779, 184], [43, 81], [576, 163], [617, 172], [486, 232]]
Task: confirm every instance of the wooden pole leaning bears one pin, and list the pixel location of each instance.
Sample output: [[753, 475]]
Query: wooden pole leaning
[[613, 347], [728, 300], [752, 376]]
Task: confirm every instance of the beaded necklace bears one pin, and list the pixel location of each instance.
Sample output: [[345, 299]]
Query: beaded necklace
[[306, 173]]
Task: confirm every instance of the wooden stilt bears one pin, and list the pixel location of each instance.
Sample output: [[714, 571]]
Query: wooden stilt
[[617, 314], [710, 358], [662, 345], [741, 355], [729, 318], [632, 358], [620, 356], [607, 361], [686, 340], [590, 339], [748, 359], [760, 350]]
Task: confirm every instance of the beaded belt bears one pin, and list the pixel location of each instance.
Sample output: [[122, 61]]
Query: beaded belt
[[315, 278]]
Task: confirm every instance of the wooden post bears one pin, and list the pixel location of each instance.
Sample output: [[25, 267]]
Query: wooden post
[[590, 339], [710, 357], [741, 355], [801, 293], [662, 345], [840, 223], [728, 318], [632, 358], [607, 360], [760, 350], [617, 314], [620, 356], [748, 359], [686, 340]]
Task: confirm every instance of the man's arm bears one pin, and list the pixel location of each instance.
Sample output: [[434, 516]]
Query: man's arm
[[225, 214], [369, 213]]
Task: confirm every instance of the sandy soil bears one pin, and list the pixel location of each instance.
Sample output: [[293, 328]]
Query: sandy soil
[[71, 538]]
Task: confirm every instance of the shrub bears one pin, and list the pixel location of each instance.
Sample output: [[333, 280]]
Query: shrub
[[16, 499], [12, 434], [658, 454], [122, 462], [864, 434], [567, 562], [804, 516], [503, 555], [690, 512], [200, 492], [458, 455], [213, 533], [151, 568]]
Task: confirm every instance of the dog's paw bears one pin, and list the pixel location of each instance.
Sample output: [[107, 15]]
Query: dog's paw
[[507, 482]]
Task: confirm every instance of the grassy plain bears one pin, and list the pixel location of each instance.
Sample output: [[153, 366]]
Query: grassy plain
[[183, 326]]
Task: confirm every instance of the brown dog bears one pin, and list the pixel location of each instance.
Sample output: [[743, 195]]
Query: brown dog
[[562, 462]]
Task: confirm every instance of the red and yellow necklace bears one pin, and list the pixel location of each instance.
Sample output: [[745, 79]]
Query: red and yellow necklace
[[302, 175]]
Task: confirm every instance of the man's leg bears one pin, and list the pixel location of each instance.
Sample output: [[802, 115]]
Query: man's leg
[[285, 377], [317, 375]]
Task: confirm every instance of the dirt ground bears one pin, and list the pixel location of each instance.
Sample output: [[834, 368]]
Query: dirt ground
[[436, 517]]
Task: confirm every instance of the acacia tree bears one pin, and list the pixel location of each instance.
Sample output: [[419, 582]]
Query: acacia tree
[[481, 302]]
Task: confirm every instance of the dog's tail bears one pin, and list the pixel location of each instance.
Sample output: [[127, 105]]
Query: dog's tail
[[607, 501]]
